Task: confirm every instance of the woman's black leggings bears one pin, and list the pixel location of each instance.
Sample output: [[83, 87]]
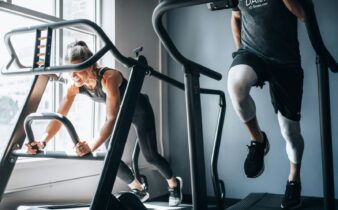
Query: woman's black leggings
[[144, 123]]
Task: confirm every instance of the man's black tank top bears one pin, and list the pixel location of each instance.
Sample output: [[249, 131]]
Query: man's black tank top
[[97, 93]]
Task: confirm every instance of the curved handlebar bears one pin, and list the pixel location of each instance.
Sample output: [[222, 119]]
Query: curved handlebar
[[314, 33], [158, 13], [108, 46], [49, 116]]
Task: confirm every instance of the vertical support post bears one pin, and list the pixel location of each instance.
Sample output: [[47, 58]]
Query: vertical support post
[[135, 156], [195, 139], [49, 40], [103, 198], [325, 131], [219, 186]]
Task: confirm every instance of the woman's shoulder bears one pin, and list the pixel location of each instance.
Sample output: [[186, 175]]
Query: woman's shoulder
[[106, 70], [72, 89], [109, 72], [110, 75]]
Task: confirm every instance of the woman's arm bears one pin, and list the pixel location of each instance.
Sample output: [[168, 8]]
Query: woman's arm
[[54, 126], [110, 82], [236, 27], [294, 7]]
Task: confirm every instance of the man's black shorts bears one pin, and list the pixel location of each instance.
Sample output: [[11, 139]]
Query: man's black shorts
[[286, 82]]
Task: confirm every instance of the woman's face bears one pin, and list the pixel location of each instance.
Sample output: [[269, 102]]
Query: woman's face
[[80, 78]]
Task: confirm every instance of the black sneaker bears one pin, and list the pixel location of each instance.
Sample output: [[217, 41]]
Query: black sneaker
[[254, 162], [292, 199], [175, 197], [143, 195]]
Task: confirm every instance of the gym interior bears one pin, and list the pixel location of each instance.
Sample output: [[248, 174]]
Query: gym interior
[[201, 34]]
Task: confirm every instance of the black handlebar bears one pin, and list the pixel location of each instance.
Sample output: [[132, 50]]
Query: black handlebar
[[49, 116], [314, 33], [159, 11], [108, 46]]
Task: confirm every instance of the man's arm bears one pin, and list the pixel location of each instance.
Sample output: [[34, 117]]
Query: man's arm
[[236, 27], [294, 7], [110, 82]]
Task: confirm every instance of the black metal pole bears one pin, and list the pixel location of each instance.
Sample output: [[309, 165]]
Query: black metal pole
[[219, 187], [49, 116], [135, 156], [103, 198], [326, 133], [195, 140], [58, 155]]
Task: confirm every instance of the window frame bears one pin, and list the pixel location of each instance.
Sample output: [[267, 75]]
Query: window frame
[[9, 7]]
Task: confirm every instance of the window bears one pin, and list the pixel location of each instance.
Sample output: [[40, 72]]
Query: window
[[45, 6], [14, 90], [73, 9]]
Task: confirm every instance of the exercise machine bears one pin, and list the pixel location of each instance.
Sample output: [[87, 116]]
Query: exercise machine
[[44, 72], [192, 71], [41, 68], [256, 201]]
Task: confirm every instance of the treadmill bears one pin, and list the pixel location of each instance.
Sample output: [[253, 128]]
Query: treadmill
[[44, 72], [262, 201]]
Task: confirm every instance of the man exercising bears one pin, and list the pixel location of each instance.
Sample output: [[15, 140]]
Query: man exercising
[[265, 34]]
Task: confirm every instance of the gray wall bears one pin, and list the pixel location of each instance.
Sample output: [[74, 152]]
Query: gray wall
[[206, 37], [133, 29]]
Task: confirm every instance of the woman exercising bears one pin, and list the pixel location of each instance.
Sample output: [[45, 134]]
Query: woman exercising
[[107, 86]]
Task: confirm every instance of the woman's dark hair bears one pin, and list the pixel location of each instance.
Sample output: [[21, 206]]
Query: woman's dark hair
[[77, 51]]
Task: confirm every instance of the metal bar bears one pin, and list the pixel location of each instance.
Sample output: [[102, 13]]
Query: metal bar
[[180, 85], [158, 13], [18, 136], [167, 79], [326, 133], [22, 11], [50, 116], [49, 40], [316, 39], [135, 156], [56, 69], [195, 140], [226, 4], [218, 189], [118, 141], [59, 155], [128, 62], [324, 61]]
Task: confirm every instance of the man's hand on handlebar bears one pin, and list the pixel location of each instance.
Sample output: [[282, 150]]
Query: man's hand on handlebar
[[82, 148]]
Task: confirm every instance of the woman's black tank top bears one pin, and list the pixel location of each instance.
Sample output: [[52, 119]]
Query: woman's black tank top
[[97, 94]]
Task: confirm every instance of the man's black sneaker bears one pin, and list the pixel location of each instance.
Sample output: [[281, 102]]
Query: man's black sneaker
[[143, 195], [175, 197], [292, 199], [254, 162]]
